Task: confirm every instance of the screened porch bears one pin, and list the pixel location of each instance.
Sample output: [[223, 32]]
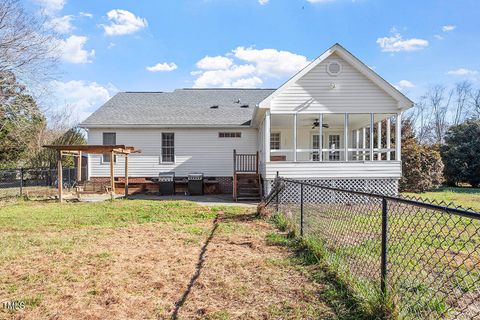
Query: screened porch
[[332, 137]]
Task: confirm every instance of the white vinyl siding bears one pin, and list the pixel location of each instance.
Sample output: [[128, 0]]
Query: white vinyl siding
[[329, 170], [196, 150], [353, 92]]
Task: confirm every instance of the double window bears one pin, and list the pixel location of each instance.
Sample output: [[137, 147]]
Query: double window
[[109, 139], [168, 147], [275, 141]]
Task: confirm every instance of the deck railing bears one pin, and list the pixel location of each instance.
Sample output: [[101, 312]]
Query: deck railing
[[245, 163]]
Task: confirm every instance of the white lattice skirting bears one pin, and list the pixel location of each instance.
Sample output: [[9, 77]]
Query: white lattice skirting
[[317, 195]]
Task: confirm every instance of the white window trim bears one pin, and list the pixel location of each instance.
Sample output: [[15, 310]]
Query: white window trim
[[102, 161], [279, 139], [161, 149]]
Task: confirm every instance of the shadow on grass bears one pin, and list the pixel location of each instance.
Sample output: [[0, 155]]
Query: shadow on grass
[[198, 268]]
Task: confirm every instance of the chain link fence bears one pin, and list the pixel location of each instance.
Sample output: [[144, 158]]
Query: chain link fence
[[34, 182], [418, 259]]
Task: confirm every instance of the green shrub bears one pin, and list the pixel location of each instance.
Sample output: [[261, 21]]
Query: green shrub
[[461, 153], [421, 164]]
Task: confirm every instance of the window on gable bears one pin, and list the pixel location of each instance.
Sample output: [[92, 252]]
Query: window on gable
[[168, 147], [229, 134], [109, 139]]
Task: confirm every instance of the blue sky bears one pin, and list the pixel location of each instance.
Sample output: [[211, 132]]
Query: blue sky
[[120, 45]]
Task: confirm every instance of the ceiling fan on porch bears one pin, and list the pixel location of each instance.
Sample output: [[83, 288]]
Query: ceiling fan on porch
[[316, 123]]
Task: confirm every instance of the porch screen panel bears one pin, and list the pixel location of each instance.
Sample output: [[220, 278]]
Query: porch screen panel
[[168, 147], [357, 124]]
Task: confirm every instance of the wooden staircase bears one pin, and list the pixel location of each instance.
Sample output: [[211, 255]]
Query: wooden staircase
[[247, 183]]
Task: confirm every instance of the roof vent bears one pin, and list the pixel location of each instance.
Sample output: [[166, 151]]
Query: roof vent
[[214, 107], [237, 101], [244, 106], [334, 68]]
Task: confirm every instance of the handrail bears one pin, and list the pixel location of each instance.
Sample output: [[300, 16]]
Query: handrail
[[245, 162]]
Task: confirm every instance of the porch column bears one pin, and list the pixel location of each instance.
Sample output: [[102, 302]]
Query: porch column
[[126, 175], [320, 137], [388, 137], [379, 139], [267, 136], [371, 135], [295, 137], [345, 138], [357, 142], [364, 142], [398, 137]]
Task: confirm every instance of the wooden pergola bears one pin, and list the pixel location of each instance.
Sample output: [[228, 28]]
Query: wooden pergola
[[78, 150]]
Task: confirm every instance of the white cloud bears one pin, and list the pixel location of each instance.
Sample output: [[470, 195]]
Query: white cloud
[[61, 24], [263, 2], [439, 37], [319, 1], [86, 14], [252, 82], [50, 7], [72, 50], [448, 27], [396, 43], [462, 72], [123, 22], [162, 67], [214, 63], [246, 67], [405, 84], [81, 96], [111, 45], [223, 78], [272, 62]]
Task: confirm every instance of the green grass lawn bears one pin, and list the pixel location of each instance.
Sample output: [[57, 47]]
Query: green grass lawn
[[136, 259], [465, 197]]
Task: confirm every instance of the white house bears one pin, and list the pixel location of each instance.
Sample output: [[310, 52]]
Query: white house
[[335, 120]]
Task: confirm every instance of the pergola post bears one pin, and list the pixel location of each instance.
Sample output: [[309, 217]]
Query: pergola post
[[126, 175], [60, 176], [79, 166], [112, 175]]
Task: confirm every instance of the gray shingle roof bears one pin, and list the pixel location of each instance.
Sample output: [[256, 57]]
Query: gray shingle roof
[[180, 107]]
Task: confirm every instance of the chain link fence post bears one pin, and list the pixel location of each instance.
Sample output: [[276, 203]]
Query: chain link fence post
[[383, 277], [277, 182], [301, 210]]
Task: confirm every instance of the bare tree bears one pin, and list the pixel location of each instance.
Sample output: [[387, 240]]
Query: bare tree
[[421, 118], [462, 95], [475, 103], [439, 100], [27, 45]]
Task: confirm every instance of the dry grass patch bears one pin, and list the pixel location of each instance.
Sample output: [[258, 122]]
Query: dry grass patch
[[136, 260]]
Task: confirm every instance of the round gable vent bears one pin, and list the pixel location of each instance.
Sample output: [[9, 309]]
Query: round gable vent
[[334, 68]]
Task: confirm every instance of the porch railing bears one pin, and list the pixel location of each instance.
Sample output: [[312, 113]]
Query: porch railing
[[245, 163]]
